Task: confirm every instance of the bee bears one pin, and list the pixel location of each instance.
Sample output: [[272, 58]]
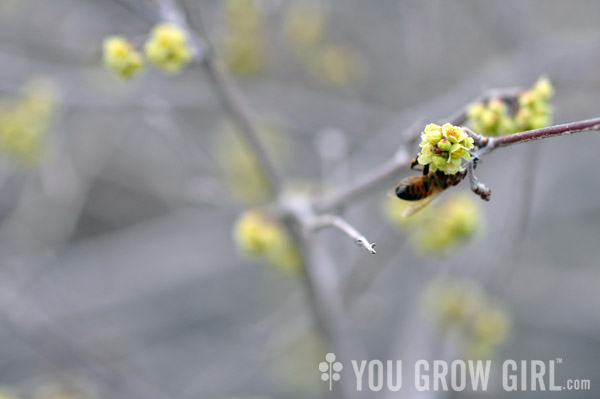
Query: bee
[[421, 190]]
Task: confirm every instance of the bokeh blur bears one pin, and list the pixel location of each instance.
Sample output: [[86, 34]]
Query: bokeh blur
[[120, 277]]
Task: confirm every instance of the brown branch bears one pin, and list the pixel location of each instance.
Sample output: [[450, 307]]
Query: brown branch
[[538, 134]]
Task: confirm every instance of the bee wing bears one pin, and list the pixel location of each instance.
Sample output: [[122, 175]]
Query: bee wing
[[413, 207]]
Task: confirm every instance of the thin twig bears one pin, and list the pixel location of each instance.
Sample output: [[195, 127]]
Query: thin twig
[[342, 225], [364, 183], [538, 134], [476, 186], [488, 144]]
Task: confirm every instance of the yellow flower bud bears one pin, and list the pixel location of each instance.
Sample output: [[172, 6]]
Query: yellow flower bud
[[491, 326], [445, 145], [168, 47], [474, 110], [120, 57], [436, 144], [497, 106], [489, 118], [543, 87], [526, 99], [256, 235]]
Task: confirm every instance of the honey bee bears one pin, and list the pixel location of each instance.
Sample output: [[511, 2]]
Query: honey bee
[[421, 190]]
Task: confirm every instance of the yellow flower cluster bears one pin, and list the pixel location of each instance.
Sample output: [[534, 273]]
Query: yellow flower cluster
[[456, 220], [24, 121], [120, 57], [534, 106], [168, 47], [462, 305], [256, 235], [439, 228], [243, 45], [443, 147], [497, 118]]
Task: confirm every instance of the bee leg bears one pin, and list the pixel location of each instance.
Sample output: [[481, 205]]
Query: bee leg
[[414, 163]]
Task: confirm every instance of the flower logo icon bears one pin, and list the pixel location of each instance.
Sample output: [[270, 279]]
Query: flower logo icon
[[330, 369]]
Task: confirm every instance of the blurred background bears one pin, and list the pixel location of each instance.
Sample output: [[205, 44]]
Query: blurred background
[[120, 277]]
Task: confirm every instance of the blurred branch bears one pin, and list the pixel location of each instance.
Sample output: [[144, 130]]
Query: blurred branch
[[41, 334], [141, 9], [226, 90]]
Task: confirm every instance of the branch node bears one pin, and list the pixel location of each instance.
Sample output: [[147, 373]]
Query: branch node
[[476, 186]]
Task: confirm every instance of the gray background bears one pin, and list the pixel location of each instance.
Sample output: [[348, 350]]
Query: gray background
[[119, 244]]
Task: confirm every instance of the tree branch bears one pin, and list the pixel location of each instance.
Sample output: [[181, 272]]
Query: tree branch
[[538, 134], [401, 159], [226, 90], [339, 223], [365, 183]]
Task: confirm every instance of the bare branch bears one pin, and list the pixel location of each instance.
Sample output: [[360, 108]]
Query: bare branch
[[538, 134], [339, 223], [365, 183], [401, 159], [227, 91]]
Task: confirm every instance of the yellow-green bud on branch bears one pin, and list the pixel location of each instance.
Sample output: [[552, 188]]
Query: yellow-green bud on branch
[[529, 110], [168, 47], [443, 147], [120, 57], [256, 235]]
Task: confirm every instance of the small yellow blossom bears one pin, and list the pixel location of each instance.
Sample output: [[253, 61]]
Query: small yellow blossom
[[120, 57], [168, 47], [24, 121], [257, 235], [543, 88], [462, 306], [443, 147]]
